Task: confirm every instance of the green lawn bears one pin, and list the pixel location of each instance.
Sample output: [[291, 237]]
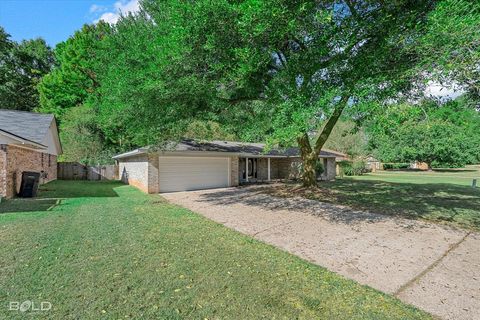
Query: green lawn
[[108, 251], [443, 196], [462, 177]]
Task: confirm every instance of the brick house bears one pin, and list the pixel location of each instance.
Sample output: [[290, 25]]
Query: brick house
[[28, 142], [194, 165]]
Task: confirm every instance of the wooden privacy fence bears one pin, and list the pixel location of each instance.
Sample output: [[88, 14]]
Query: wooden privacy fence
[[78, 171]]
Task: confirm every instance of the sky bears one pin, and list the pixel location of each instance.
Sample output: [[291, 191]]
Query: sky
[[56, 20]]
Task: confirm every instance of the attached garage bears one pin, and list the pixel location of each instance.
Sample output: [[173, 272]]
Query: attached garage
[[193, 173]]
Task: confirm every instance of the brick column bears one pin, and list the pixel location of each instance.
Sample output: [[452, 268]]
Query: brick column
[[3, 171], [234, 171], [331, 168], [153, 178]]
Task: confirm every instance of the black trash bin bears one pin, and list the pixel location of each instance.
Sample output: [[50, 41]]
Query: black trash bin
[[29, 186]]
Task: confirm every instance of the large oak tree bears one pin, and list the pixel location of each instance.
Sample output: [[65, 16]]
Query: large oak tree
[[288, 69]]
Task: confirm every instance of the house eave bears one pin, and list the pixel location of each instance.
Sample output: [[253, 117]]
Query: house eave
[[132, 153], [22, 141]]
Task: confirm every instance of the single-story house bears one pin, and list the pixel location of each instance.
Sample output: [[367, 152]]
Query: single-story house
[[195, 165], [28, 142]]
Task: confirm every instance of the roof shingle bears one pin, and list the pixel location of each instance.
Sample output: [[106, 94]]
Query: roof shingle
[[28, 125], [255, 149]]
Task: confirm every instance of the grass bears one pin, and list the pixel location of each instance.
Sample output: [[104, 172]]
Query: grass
[[461, 177], [443, 196], [108, 251]]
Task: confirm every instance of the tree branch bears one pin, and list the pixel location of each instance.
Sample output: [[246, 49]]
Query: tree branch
[[304, 145], [327, 129], [280, 57]]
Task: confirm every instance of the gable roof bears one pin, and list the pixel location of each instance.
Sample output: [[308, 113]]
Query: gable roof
[[233, 147], [26, 125]]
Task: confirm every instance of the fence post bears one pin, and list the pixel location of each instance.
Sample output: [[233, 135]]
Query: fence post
[[474, 183]]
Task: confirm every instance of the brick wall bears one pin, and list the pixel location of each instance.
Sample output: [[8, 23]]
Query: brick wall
[[153, 173], [330, 169], [234, 172], [3, 171], [17, 159], [134, 171], [287, 168]]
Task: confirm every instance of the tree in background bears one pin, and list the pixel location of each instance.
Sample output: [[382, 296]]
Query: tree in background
[[74, 77], [81, 140], [439, 135], [68, 90], [346, 137], [22, 65]]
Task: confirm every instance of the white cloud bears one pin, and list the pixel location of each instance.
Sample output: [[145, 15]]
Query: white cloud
[[122, 7], [95, 8]]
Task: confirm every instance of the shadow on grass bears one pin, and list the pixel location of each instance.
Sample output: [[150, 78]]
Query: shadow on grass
[[50, 195], [27, 205], [454, 170], [78, 189], [367, 200]]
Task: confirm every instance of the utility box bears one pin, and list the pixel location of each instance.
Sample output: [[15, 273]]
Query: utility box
[[29, 186]]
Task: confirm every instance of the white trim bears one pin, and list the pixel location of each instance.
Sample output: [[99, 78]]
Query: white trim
[[229, 172], [58, 143], [268, 178], [130, 153]]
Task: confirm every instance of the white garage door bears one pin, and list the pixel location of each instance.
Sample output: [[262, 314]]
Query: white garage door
[[193, 173]]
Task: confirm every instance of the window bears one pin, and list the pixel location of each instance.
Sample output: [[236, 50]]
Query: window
[[49, 160]]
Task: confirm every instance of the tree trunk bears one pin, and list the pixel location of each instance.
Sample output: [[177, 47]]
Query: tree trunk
[[310, 155], [429, 166], [309, 159], [309, 170]]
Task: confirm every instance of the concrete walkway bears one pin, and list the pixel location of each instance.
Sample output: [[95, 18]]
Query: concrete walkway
[[433, 267]]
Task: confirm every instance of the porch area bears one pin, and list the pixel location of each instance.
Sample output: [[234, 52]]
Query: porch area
[[266, 169]]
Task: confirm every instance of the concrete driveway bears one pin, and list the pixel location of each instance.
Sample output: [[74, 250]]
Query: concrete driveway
[[433, 267]]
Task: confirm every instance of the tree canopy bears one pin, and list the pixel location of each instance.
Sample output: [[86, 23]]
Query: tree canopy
[[439, 135], [278, 71], [22, 65]]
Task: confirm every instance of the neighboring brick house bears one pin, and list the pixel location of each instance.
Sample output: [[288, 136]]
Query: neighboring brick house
[[193, 165], [28, 142]]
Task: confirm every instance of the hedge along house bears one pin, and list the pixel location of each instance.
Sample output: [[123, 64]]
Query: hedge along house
[[28, 142], [195, 165]]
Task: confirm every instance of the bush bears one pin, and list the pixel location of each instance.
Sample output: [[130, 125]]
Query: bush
[[353, 168], [296, 171], [319, 169], [395, 166]]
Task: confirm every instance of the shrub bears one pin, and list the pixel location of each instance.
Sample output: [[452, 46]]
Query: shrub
[[353, 168], [296, 171], [319, 169], [395, 166]]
